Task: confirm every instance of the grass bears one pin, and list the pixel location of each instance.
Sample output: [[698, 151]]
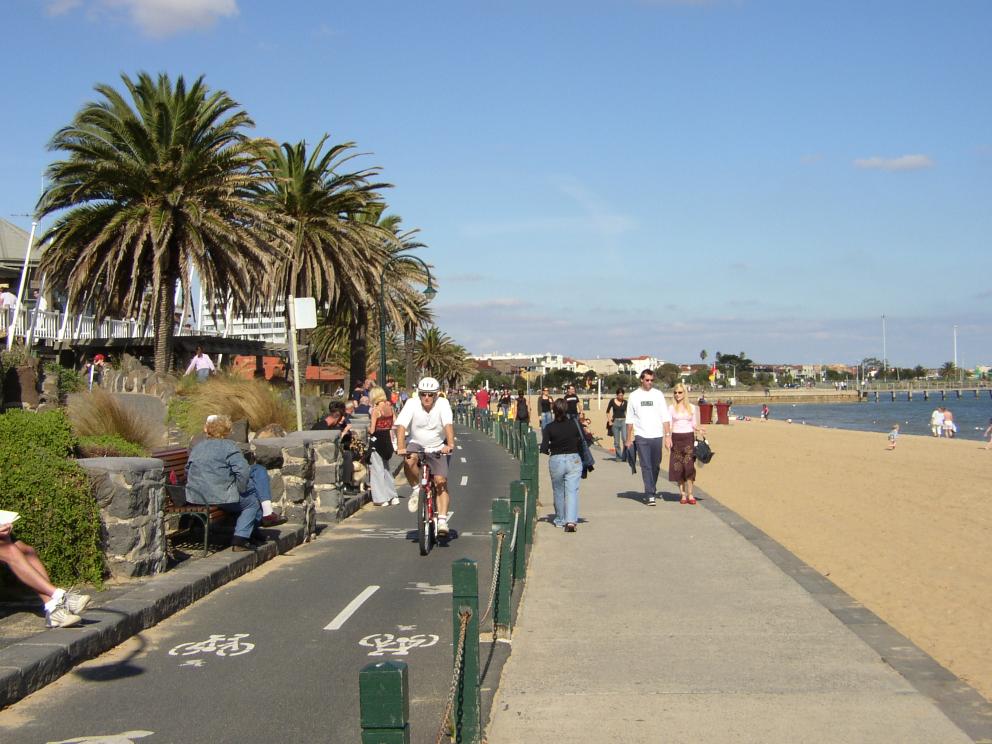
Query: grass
[[254, 400], [98, 414]]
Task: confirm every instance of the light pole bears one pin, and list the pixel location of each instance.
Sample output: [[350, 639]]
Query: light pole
[[956, 374], [885, 363], [429, 293]]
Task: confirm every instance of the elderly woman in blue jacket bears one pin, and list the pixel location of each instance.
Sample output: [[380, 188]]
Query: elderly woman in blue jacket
[[218, 474]]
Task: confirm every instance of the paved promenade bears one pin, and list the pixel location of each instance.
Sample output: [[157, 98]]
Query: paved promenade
[[686, 624]]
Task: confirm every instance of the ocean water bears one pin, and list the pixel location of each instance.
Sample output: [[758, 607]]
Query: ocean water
[[970, 414]]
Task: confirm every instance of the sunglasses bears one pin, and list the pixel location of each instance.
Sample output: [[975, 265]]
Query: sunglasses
[[428, 395]]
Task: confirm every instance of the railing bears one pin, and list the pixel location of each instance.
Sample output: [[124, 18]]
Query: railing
[[56, 326], [384, 687]]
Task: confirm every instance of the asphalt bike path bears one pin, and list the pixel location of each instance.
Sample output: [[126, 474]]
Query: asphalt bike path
[[275, 655]]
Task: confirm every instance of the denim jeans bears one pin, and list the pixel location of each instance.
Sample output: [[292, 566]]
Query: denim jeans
[[546, 418], [619, 435], [565, 473], [649, 456], [249, 511]]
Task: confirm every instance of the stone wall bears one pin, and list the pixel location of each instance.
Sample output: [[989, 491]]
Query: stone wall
[[305, 470], [130, 492]]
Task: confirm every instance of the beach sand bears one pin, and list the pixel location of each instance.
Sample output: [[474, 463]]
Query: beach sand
[[907, 532]]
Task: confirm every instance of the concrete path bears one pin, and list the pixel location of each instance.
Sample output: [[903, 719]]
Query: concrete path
[[686, 624]]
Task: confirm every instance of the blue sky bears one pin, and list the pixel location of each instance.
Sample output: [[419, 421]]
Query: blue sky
[[612, 177]]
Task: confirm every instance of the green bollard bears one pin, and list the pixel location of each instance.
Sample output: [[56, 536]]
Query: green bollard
[[502, 522], [384, 700], [468, 701], [518, 505]]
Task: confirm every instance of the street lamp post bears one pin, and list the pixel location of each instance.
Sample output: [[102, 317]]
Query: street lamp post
[[429, 293]]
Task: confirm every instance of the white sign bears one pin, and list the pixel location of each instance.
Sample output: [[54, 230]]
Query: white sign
[[216, 644], [387, 643], [305, 309]]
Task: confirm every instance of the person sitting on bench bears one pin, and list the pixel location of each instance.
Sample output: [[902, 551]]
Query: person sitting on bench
[[218, 474]]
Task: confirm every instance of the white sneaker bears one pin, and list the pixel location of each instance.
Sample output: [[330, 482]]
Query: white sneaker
[[442, 526], [651, 501], [76, 602], [394, 501], [60, 617], [414, 501]]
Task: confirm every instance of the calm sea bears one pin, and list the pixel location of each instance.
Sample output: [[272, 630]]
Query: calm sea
[[971, 415]]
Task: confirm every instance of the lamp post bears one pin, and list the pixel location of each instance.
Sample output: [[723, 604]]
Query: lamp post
[[429, 293]]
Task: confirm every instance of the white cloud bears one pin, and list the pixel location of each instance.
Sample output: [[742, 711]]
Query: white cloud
[[901, 163], [58, 7], [157, 18]]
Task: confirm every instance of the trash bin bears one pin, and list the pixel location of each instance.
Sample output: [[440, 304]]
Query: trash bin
[[585, 405], [722, 411], [705, 413]]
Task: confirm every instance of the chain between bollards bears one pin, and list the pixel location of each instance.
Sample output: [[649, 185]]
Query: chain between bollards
[[500, 536], [516, 520], [447, 725]]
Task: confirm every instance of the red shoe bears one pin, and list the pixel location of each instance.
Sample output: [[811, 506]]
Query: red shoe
[[683, 501], [692, 500]]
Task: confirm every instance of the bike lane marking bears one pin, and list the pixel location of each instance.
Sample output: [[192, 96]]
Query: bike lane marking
[[352, 607], [464, 460], [464, 481]]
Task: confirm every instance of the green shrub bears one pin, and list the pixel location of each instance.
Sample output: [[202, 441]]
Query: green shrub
[[109, 445], [69, 380], [59, 516]]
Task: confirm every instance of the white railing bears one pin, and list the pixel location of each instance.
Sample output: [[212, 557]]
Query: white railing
[[54, 326]]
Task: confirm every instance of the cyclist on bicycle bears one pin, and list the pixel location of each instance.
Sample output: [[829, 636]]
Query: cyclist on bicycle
[[427, 419]]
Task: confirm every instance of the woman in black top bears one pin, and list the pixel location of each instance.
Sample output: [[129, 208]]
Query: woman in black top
[[544, 408], [572, 401], [504, 402], [562, 440], [616, 420], [523, 414]]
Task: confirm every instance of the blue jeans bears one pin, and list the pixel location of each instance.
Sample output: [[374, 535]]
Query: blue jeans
[[649, 457], [546, 418], [249, 511], [565, 473], [619, 435]]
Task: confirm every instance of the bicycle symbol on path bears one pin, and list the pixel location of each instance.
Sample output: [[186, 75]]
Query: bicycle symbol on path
[[216, 644], [387, 643]]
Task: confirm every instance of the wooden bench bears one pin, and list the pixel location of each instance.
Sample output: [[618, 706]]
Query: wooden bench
[[176, 504]]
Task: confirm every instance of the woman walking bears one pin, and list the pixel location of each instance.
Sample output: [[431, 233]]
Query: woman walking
[[685, 426], [544, 408], [562, 440], [616, 419], [382, 484], [523, 413]]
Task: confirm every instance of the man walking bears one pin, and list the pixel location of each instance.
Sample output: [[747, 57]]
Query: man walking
[[648, 424]]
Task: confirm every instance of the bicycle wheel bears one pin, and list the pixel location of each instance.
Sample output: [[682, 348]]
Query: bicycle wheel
[[425, 525]]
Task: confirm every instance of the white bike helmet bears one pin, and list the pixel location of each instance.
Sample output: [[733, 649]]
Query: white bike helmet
[[428, 385]]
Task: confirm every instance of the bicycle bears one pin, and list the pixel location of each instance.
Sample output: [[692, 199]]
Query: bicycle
[[427, 513]]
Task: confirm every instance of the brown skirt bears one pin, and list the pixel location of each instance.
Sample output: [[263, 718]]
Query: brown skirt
[[682, 460]]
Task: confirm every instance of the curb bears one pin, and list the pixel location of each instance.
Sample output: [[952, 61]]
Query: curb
[[30, 665]]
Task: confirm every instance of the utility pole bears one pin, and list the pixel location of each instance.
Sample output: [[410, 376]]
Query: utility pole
[[885, 361]]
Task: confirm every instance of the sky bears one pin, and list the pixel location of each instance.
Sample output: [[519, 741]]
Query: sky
[[606, 178]]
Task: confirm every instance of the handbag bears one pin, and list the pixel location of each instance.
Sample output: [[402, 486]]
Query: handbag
[[703, 451], [585, 455]]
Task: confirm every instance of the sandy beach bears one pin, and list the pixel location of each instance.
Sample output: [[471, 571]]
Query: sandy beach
[[906, 532]]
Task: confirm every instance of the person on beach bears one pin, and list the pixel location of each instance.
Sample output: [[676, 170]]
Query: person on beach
[[765, 412], [616, 421], [988, 434], [544, 404], [685, 427], [893, 436], [562, 441], [937, 421], [648, 425], [950, 428], [62, 606], [521, 410], [383, 486], [572, 401]]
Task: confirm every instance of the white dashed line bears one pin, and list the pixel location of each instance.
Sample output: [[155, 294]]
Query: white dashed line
[[464, 480], [353, 605], [464, 460]]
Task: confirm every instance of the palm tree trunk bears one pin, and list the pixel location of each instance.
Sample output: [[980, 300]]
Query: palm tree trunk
[[164, 326], [409, 341], [358, 339]]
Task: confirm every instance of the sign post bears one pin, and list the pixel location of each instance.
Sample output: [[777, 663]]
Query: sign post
[[302, 315]]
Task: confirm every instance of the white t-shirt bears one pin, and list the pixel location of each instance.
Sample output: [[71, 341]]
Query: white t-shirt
[[647, 412], [423, 427], [8, 299]]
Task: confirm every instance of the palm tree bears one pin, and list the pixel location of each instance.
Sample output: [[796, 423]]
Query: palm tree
[[334, 255], [153, 187], [432, 351]]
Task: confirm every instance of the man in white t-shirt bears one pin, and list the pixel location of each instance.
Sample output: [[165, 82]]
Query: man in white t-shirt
[[428, 422], [648, 424]]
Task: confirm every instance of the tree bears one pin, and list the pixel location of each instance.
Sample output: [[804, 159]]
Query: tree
[[336, 252], [949, 371], [151, 188], [668, 374], [702, 356]]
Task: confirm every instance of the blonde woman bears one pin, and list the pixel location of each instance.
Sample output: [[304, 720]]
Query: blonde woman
[[685, 427], [381, 449]]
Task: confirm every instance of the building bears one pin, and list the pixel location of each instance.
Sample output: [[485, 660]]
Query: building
[[13, 244]]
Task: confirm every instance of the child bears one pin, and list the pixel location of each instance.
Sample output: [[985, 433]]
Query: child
[[893, 436]]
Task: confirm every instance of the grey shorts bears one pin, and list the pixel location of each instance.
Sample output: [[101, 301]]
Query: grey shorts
[[437, 460]]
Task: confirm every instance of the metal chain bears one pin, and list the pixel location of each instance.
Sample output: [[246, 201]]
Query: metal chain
[[516, 518], [464, 617], [500, 536]]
